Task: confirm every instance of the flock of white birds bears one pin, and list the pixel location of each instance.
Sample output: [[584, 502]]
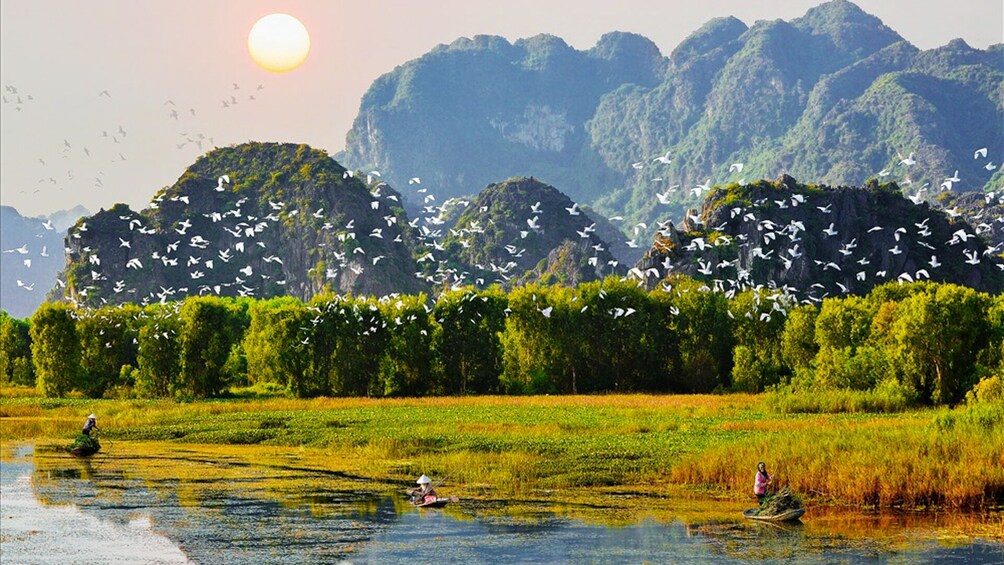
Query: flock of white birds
[[199, 256], [108, 147], [771, 243]]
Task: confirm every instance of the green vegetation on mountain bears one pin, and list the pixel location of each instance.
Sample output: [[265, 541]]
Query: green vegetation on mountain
[[523, 230], [483, 109], [818, 241], [257, 219], [834, 96]]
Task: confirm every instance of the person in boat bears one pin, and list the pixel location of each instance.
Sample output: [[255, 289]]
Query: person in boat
[[762, 481], [424, 493], [90, 424]]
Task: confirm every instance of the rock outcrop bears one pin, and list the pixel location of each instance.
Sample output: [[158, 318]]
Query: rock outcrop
[[817, 241], [258, 219]]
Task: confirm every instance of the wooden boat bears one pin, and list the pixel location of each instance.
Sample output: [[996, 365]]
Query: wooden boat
[[83, 451], [84, 446], [440, 502], [786, 516]]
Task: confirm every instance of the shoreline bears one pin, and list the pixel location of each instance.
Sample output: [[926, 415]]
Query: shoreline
[[498, 447]]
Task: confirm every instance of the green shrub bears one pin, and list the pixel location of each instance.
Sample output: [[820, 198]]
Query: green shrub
[[989, 389]]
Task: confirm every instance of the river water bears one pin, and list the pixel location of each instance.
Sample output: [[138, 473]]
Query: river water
[[141, 507]]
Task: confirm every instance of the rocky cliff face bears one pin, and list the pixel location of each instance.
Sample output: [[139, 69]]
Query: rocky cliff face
[[523, 230], [983, 211], [834, 96], [258, 219], [819, 241], [482, 109]]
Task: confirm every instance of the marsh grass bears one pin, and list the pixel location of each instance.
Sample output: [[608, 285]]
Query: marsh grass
[[545, 447], [884, 399]]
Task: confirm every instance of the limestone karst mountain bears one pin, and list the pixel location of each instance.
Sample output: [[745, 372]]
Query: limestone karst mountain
[[834, 96], [523, 230], [257, 219], [819, 241]]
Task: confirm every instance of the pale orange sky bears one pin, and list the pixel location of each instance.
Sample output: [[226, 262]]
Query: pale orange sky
[[64, 53]]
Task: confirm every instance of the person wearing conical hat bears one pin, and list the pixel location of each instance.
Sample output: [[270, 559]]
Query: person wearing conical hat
[[90, 424], [424, 492]]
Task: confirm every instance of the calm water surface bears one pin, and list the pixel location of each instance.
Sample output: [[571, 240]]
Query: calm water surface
[[194, 507]]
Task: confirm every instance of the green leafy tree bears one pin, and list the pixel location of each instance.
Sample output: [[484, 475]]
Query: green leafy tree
[[349, 339], [210, 327], [798, 341], [15, 351], [159, 352], [702, 323], [107, 343], [539, 342], [407, 365], [631, 327], [936, 339], [843, 331], [759, 325], [274, 343], [467, 341], [55, 348]]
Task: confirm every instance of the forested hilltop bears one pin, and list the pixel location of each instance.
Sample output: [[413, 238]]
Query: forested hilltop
[[925, 343], [834, 96], [279, 219], [257, 219], [817, 241]]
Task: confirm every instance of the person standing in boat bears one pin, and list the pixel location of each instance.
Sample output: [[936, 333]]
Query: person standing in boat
[[762, 481], [90, 424]]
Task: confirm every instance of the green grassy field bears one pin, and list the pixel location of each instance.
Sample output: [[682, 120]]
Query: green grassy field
[[501, 446]]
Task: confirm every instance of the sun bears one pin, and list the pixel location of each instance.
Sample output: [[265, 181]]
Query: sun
[[278, 43]]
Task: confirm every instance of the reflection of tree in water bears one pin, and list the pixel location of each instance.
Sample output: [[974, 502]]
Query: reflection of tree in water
[[504, 517], [215, 517], [222, 507]]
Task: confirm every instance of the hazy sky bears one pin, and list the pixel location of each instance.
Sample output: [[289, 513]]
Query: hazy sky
[[65, 54]]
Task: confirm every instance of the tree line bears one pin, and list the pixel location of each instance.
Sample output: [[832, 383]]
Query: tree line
[[932, 342]]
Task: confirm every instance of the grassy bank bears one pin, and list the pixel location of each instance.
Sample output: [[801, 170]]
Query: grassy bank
[[499, 446]]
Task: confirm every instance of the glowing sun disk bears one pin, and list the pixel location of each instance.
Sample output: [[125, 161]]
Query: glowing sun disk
[[278, 43]]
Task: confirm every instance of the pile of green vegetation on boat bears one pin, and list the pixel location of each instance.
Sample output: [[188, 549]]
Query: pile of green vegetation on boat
[[779, 502], [84, 445]]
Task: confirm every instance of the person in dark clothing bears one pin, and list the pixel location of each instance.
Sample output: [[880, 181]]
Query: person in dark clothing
[[91, 424]]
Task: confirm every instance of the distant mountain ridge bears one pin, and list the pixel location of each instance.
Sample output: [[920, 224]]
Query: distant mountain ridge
[[834, 96], [483, 109], [40, 239]]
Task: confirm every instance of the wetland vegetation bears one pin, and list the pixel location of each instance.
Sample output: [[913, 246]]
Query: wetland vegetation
[[563, 447]]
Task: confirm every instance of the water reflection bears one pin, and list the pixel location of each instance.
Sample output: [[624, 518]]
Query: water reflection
[[227, 507]]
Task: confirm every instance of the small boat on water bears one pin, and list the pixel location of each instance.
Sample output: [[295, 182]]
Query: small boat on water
[[783, 516], [439, 502], [83, 446], [83, 451]]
